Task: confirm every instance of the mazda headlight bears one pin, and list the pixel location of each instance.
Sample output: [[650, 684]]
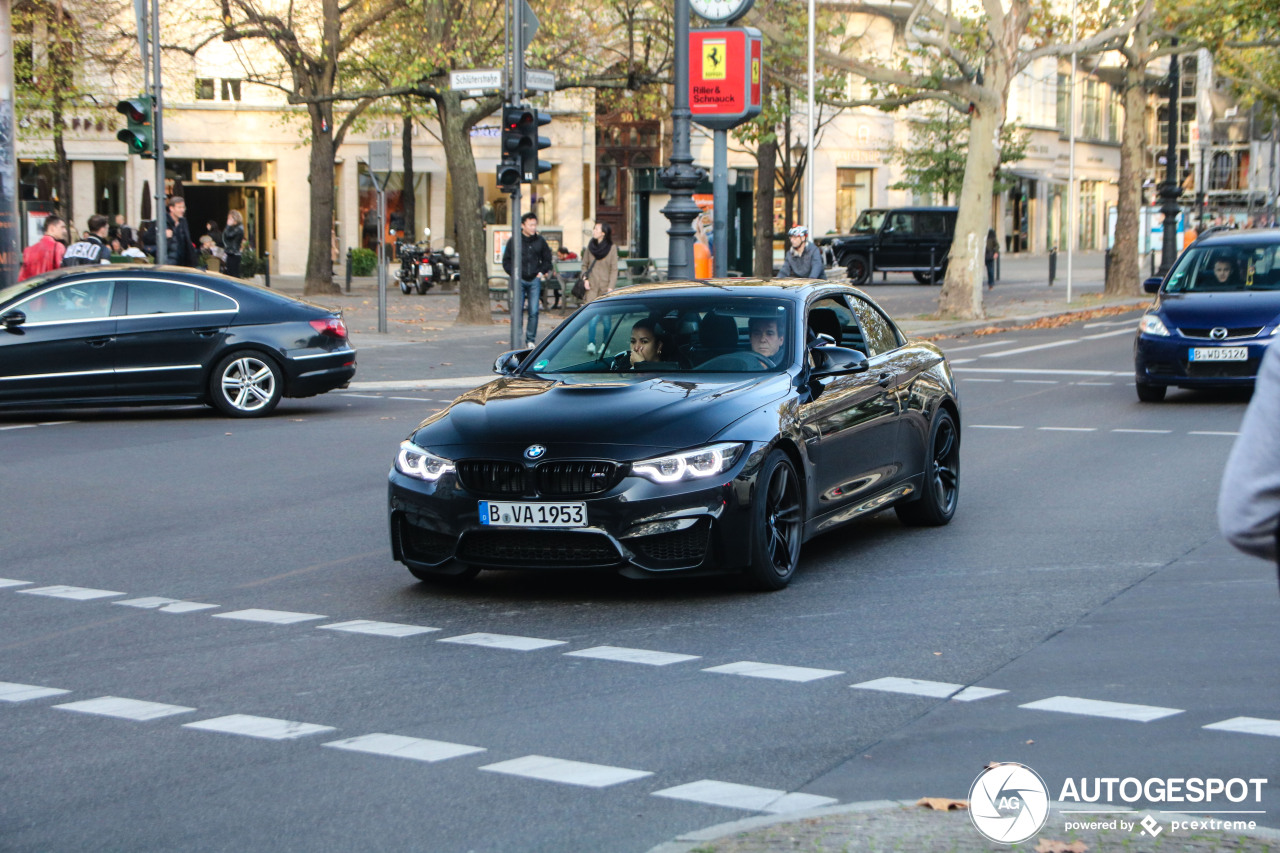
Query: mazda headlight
[[413, 461], [1151, 324], [689, 464]]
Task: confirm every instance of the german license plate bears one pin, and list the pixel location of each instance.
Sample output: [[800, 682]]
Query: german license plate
[[1219, 353], [424, 269], [522, 514]]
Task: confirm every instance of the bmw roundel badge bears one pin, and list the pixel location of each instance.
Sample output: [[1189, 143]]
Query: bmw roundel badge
[[534, 451]]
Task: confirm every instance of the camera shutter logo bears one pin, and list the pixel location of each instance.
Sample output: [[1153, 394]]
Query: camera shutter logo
[[1008, 803]]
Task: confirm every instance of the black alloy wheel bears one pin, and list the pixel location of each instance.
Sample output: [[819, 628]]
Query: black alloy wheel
[[246, 384], [858, 270], [938, 275], [1148, 393], [940, 492], [777, 524]]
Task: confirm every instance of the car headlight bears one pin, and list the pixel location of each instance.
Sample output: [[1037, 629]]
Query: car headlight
[[413, 461], [689, 464], [1151, 324]]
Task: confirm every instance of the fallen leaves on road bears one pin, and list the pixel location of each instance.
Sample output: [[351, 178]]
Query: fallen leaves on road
[[1044, 845], [942, 804], [1061, 320]]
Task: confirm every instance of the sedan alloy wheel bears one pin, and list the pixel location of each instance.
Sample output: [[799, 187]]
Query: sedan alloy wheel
[[246, 385]]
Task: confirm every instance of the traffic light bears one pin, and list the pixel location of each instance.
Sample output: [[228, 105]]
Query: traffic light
[[137, 135], [520, 146], [530, 165]]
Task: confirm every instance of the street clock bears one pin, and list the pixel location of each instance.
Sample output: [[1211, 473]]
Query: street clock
[[721, 11]]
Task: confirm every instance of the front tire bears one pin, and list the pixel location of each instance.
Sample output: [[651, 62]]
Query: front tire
[[858, 269], [941, 490], [405, 287], [777, 524], [938, 275], [1150, 393], [246, 384]]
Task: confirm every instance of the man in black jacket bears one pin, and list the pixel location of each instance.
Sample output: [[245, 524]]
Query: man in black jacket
[[92, 247], [535, 264], [179, 250]]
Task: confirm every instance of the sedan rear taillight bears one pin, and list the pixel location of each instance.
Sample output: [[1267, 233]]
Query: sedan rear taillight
[[334, 327]]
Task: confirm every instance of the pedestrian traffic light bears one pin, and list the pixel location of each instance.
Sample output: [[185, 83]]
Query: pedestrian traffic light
[[137, 135]]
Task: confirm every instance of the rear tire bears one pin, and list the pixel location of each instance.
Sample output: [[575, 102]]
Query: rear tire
[[777, 524], [1150, 393], [246, 384], [938, 275], [941, 490], [422, 287], [858, 270]]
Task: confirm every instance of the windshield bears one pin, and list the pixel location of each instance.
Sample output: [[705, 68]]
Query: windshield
[[1227, 268], [661, 334], [8, 293], [868, 222]]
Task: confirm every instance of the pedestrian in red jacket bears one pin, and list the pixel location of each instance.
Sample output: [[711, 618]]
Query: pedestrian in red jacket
[[46, 254]]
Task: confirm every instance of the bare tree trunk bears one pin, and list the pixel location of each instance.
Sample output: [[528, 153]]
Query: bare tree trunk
[[319, 278], [766, 164], [1124, 273], [408, 196], [61, 165], [473, 290]]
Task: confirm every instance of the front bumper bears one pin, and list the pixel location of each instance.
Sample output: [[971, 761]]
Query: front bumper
[[638, 528], [1166, 361]]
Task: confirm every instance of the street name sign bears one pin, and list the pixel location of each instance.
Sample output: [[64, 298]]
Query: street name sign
[[477, 80]]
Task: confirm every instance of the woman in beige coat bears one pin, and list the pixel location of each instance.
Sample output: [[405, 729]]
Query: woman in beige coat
[[600, 275]]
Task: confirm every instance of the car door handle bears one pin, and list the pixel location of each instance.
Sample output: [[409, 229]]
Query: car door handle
[[204, 333], [886, 379], [98, 342]]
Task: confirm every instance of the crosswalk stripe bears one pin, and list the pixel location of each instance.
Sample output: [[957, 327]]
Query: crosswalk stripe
[[399, 746], [747, 797], [566, 772], [125, 709], [503, 641], [380, 629], [165, 605], [934, 689], [275, 617], [5, 582], [259, 727], [624, 655], [752, 669], [75, 593], [1099, 708], [11, 691], [1248, 726]]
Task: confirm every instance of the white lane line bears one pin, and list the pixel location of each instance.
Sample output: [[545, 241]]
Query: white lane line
[[747, 797], [955, 361], [934, 689], [1036, 381], [993, 426], [624, 655], [1248, 726], [1046, 371], [380, 629], [1099, 708], [57, 423], [1032, 348], [366, 396], [987, 345], [1129, 330], [566, 772], [275, 617], [1144, 431], [17, 426], [125, 709], [11, 691], [166, 605], [503, 641], [1211, 432], [1106, 324], [75, 593], [1068, 429], [10, 582], [413, 399], [260, 727], [979, 379], [1095, 384], [753, 669], [399, 746]]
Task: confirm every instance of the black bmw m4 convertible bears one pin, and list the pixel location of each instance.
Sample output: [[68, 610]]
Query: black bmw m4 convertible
[[683, 428]]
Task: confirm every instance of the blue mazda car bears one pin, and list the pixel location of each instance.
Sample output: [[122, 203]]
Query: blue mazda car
[[1214, 316]]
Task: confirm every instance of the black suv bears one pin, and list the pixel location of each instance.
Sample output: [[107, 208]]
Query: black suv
[[902, 239]]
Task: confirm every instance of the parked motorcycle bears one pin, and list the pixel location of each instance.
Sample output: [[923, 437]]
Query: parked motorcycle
[[422, 267]]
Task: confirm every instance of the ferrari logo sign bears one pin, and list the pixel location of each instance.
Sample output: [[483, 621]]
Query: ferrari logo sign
[[714, 59], [724, 88]]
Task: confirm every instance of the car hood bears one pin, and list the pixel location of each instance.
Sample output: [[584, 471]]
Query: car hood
[[1232, 310], [567, 413]]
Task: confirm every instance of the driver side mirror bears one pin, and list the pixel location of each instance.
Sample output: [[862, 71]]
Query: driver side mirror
[[829, 360], [1152, 285], [13, 319], [507, 363]]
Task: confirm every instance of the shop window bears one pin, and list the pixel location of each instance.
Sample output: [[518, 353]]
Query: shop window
[[853, 195]]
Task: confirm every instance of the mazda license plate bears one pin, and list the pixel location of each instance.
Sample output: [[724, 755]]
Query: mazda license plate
[[1219, 354], [523, 514]]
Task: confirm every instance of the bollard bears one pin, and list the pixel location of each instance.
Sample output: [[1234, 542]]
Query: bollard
[[349, 270], [871, 265], [998, 254], [932, 265], [266, 269], [1053, 265]]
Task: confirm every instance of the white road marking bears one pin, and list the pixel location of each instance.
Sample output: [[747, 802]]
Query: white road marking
[[752, 669], [1145, 431], [1068, 429], [10, 582], [1129, 330], [1037, 381], [988, 345], [934, 689], [380, 629], [632, 655], [13, 692], [399, 746], [1032, 348], [366, 396], [1248, 726], [166, 605], [275, 617], [746, 797], [1095, 384], [979, 379], [260, 727], [413, 399], [503, 641], [17, 426], [1211, 432], [993, 426], [75, 593], [125, 709], [1106, 324], [1099, 708], [1045, 371], [566, 772]]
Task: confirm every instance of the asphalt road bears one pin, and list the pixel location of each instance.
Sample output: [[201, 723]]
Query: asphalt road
[[1083, 563]]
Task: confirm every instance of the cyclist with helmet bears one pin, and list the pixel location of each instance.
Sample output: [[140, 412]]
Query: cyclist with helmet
[[803, 259]]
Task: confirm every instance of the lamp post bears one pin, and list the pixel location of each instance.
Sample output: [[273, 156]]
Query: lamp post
[[1170, 189], [681, 177]]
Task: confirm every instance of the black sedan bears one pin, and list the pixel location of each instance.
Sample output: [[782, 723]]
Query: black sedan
[[683, 428], [140, 335]]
